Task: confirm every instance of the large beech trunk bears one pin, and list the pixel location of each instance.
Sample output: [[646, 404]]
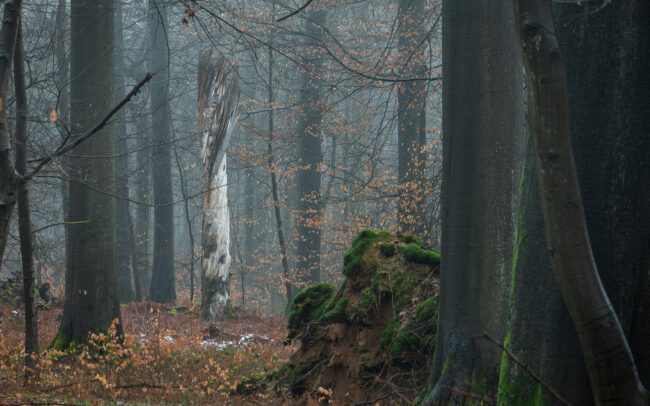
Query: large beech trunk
[[91, 302], [483, 129], [608, 358], [218, 110]]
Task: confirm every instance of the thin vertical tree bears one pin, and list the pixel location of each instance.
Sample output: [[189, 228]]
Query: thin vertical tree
[[24, 218], [123, 214], [9, 179], [411, 113], [162, 288], [310, 155]]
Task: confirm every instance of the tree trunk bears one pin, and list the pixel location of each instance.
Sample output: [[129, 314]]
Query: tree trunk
[[606, 55], [91, 301], [274, 189], [63, 110], [540, 330], [122, 212], [8, 177], [596, 48], [24, 221], [483, 127], [143, 194], [162, 288], [218, 117], [609, 361], [310, 156], [411, 111]]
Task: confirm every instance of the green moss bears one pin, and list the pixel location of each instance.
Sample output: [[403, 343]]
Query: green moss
[[337, 313], [427, 311], [61, 342], [388, 333], [448, 366], [419, 332], [367, 301], [388, 248], [414, 253], [411, 239], [251, 384], [353, 258], [515, 391], [405, 339], [307, 305]]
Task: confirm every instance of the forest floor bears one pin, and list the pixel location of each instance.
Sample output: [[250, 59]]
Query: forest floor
[[167, 357], [367, 341]]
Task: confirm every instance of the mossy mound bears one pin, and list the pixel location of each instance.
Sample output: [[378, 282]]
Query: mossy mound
[[377, 330]]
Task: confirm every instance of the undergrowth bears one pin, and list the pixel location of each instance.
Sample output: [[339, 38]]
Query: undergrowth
[[162, 366]]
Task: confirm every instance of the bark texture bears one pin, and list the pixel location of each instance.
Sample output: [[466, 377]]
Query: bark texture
[[91, 301], [274, 188], [483, 127], [123, 214], [9, 178], [162, 288], [606, 56], [540, 330], [609, 362], [219, 114], [24, 219], [142, 220]]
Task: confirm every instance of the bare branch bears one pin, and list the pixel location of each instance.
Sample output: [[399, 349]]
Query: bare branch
[[298, 10], [65, 148]]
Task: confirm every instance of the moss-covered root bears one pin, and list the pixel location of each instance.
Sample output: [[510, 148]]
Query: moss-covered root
[[61, 342], [414, 253], [353, 258]]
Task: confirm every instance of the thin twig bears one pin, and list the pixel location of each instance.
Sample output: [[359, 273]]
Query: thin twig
[[527, 370], [293, 13], [60, 223], [63, 148]]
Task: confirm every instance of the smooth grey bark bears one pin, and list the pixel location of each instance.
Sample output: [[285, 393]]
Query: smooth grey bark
[[608, 358], [122, 211], [310, 156], [483, 127], [411, 113], [606, 57], [188, 221], [63, 106], [9, 178], [162, 288], [24, 220], [142, 220], [540, 331], [91, 300]]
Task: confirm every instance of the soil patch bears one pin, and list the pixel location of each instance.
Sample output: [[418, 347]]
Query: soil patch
[[372, 339]]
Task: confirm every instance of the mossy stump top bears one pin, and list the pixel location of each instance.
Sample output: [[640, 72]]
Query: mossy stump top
[[382, 317]]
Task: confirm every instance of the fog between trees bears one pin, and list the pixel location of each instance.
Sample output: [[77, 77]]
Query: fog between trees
[[223, 155]]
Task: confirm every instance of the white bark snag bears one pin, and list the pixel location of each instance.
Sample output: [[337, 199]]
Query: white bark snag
[[219, 112]]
